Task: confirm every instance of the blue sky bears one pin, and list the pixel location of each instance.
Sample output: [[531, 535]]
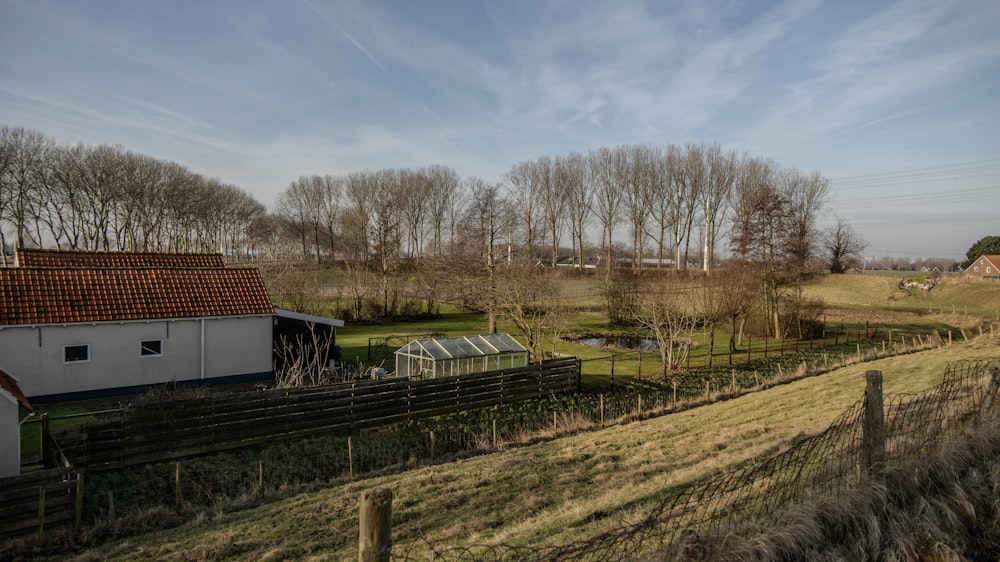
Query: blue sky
[[897, 102]]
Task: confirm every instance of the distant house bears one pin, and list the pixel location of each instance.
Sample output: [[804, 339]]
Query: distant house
[[12, 402], [74, 324], [985, 266]]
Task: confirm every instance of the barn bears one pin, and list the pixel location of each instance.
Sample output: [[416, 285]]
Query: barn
[[458, 355]]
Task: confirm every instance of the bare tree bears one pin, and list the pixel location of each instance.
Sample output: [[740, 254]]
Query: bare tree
[[715, 196], [303, 360], [666, 312], [553, 201], [843, 246], [525, 199], [489, 214], [664, 206], [690, 182], [23, 180], [604, 164], [807, 197], [443, 187], [413, 195], [571, 171], [528, 298], [638, 180]]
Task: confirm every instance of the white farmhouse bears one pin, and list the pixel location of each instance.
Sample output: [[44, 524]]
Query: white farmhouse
[[79, 324]]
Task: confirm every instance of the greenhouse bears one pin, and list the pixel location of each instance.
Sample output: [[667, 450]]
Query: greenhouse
[[442, 357]]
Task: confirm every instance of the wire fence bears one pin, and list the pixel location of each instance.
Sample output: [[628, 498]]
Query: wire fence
[[708, 515]]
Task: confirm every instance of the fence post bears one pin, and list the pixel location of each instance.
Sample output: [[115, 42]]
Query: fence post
[[494, 433], [78, 506], [177, 487], [602, 409], [873, 434], [260, 479], [432, 445], [612, 368], [991, 391], [41, 512], [350, 456], [375, 525], [638, 368]]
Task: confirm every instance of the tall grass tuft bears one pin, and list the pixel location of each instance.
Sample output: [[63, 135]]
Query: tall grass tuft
[[943, 507]]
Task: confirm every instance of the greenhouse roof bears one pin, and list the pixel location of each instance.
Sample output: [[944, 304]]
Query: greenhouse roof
[[466, 346]]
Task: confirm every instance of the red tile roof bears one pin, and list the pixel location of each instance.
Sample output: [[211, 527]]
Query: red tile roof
[[8, 383], [65, 295], [80, 258], [993, 260]]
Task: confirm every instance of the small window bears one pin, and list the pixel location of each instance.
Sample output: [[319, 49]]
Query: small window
[[989, 270], [151, 348], [976, 270], [76, 353]]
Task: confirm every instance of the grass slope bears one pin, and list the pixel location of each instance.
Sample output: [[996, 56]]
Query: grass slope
[[553, 492]]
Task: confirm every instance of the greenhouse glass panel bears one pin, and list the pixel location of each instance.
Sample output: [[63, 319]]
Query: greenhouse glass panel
[[447, 356]]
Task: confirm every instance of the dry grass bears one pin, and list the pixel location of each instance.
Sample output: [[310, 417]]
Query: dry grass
[[944, 507], [549, 493]]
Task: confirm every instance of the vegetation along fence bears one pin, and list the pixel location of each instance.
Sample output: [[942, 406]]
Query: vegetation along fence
[[163, 430], [876, 433]]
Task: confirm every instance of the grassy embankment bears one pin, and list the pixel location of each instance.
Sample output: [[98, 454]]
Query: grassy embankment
[[546, 493]]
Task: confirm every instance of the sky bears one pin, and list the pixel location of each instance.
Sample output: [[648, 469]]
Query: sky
[[898, 103]]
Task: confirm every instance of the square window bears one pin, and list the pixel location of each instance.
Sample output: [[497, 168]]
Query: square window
[[151, 348], [76, 353]]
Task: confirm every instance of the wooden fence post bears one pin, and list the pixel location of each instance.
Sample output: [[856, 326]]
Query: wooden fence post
[[260, 479], [45, 434], [177, 487], [873, 435], [638, 368], [350, 456], [612, 368], [494, 433], [602, 409], [41, 512], [78, 506], [375, 525], [432, 445]]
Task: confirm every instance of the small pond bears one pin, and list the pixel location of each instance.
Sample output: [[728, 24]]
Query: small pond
[[617, 341]]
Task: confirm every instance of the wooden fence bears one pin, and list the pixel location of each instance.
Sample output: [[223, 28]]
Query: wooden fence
[[40, 500], [181, 428]]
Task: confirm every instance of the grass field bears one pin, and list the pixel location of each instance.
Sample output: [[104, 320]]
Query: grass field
[[547, 493]]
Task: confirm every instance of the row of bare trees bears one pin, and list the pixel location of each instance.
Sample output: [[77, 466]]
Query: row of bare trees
[[107, 198], [666, 199]]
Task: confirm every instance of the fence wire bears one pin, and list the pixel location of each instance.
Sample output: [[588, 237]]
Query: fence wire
[[708, 514]]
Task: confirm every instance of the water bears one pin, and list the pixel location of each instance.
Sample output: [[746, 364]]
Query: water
[[621, 342]]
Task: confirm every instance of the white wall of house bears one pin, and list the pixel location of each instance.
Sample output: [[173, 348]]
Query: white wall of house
[[232, 346], [10, 435]]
